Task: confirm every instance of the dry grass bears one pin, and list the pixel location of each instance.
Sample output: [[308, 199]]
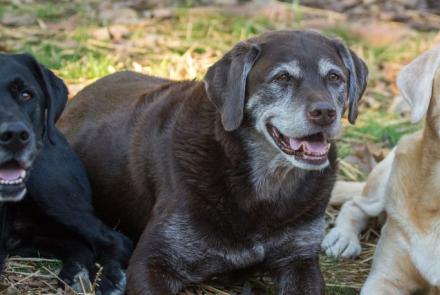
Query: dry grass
[[71, 40]]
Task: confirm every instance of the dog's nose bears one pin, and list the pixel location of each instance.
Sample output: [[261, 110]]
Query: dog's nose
[[14, 136], [322, 114]]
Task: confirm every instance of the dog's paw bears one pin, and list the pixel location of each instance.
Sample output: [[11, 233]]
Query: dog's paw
[[75, 277], [112, 282], [341, 243], [81, 282]]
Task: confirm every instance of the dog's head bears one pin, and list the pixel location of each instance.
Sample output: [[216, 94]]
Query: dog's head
[[31, 100], [419, 84], [292, 87]]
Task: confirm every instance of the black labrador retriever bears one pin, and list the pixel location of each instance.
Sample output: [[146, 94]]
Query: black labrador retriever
[[45, 195]]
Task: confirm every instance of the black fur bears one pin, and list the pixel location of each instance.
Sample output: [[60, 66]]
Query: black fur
[[55, 218]]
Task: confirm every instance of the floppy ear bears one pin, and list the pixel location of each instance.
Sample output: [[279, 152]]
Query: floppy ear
[[56, 100], [415, 82], [55, 92], [225, 83], [357, 79]]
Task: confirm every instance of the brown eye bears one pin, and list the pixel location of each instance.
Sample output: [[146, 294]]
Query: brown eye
[[284, 78], [333, 77], [26, 95]]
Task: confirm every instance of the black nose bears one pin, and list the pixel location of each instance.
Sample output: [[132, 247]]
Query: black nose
[[322, 114], [14, 136]]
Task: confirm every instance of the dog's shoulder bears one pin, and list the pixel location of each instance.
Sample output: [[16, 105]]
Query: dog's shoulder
[[407, 149]]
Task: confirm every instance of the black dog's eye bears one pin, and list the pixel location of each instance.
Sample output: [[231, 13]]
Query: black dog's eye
[[284, 78], [332, 77], [26, 95]]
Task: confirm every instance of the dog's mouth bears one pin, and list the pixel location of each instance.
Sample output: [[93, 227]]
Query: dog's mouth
[[12, 181], [312, 149]]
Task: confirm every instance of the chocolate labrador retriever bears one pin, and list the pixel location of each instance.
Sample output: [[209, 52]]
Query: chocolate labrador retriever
[[230, 174], [45, 196]]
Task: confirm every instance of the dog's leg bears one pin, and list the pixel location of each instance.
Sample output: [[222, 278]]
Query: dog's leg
[[343, 239], [147, 277], [4, 233], [301, 277], [77, 256], [149, 271], [67, 200], [78, 268], [392, 272]]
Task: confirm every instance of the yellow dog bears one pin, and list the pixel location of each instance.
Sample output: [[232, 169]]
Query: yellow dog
[[406, 185]]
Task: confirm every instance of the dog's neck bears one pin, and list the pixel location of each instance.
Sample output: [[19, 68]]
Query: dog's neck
[[268, 167], [430, 141], [429, 144]]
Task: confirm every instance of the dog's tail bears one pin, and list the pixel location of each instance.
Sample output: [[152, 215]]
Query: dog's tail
[[345, 191]]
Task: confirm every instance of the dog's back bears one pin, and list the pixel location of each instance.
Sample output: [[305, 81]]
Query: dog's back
[[118, 93], [111, 109]]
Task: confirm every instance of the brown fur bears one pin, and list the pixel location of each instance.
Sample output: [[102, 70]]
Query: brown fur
[[182, 168]]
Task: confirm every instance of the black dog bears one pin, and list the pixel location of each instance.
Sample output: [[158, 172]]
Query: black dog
[[45, 196], [230, 174]]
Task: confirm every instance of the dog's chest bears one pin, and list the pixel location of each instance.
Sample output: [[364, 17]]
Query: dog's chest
[[425, 253], [242, 252], [291, 242], [413, 203]]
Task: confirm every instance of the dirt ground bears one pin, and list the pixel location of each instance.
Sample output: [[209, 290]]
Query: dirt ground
[[83, 40]]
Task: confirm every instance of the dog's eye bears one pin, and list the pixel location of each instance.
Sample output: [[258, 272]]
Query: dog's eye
[[25, 95], [332, 77], [284, 78]]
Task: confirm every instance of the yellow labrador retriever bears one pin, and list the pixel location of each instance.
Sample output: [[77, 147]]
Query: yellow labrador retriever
[[406, 185]]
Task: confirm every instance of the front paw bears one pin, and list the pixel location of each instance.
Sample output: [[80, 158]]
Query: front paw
[[342, 243], [79, 282], [111, 280]]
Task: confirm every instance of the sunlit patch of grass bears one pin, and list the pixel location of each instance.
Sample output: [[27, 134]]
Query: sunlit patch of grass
[[73, 65], [42, 10], [376, 127], [49, 12], [90, 66], [380, 127], [344, 33]]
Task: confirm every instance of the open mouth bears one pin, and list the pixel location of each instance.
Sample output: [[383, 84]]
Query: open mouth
[[312, 149], [12, 181]]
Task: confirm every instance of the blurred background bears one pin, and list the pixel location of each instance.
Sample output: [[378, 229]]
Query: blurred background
[[82, 40]]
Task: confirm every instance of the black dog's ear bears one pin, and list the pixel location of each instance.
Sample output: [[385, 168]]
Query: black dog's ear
[[56, 100], [225, 83], [55, 92], [357, 80]]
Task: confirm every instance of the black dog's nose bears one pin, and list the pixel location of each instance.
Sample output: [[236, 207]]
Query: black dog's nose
[[322, 114], [14, 136]]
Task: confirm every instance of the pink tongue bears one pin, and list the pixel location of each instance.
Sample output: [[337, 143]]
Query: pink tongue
[[10, 173], [316, 147], [294, 143]]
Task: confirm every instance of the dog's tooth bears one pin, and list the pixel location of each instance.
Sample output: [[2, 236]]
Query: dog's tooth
[[23, 174]]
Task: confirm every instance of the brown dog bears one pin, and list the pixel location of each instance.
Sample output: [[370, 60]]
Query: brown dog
[[232, 173]]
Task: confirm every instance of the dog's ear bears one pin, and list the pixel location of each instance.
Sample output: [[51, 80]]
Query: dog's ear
[[56, 100], [54, 90], [225, 83], [415, 82], [357, 79]]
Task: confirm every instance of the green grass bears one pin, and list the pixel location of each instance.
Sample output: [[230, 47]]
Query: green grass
[[341, 291], [380, 127], [187, 44]]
